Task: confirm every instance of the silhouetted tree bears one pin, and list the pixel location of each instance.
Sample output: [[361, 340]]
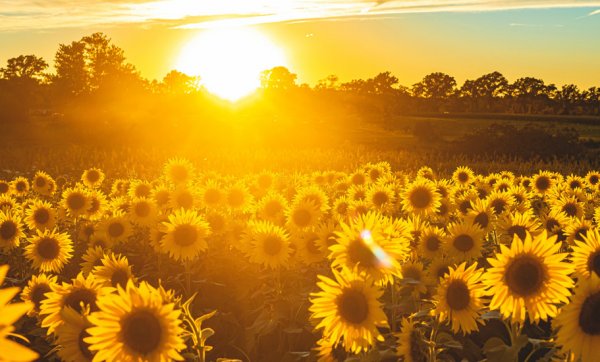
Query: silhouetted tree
[[592, 98], [72, 77], [278, 78], [569, 96], [436, 86], [530, 92], [176, 82], [24, 67], [329, 82]]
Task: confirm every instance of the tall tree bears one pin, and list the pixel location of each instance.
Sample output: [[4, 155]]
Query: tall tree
[[24, 67], [176, 82], [278, 78], [436, 86], [569, 95], [71, 71]]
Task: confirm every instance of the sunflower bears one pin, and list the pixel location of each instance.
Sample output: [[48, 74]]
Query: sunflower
[[348, 310], [92, 177], [183, 198], [357, 192], [370, 243], [578, 322], [4, 187], [42, 183], [238, 198], [358, 178], [310, 247], [328, 351], [272, 207], [521, 197], [179, 171], [410, 342], [11, 231], [142, 211], [313, 194], [575, 182], [185, 235], [98, 204], [80, 295], [577, 229], [500, 202], [218, 222], [381, 197], [516, 223], [36, 289], [430, 242], [70, 337], [464, 198], [530, 278], [76, 201], [426, 172], [570, 205], [592, 178], [459, 298], [92, 258], [115, 229], [20, 186], [554, 222], [482, 215], [212, 194], [161, 196], [341, 205], [9, 314], [586, 255], [120, 187], [421, 197], [49, 250], [114, 271], [463, 175], [463, 241], [40, 215], [136, 324], [303, 215], [267, 244], [542, 182], [7, 203], [437, 269], [140, 188], [414, 277]]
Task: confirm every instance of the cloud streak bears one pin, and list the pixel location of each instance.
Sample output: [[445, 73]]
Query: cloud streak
[[18, 15]]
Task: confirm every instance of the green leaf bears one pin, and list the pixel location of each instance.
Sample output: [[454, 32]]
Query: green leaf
[[204, 317], [207, 333]]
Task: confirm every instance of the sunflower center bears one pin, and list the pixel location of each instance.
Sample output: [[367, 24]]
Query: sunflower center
[[518, 230], [119, 277], [589, 316], [212, 196], [40, 182], [463, 177], [458, 295], [465, 206], [81, 296], [272, 245], [498, 205], [141, 331], [463, 242], [185, 200], [353, 306], [21, 186], [142, 209], [161, 197], [3, 187], [432, 243], [358, 252], [272, 208], [41, 216], [93, 176], [570, 209], [580, 233], [551, 224], [380, 198], [116, 229], [594, 262], [525, 276], [38, 294], [185, 235], [76, 201], [358, 179], [420, 198], [94, 206], [84, 347], [594, 179], [8, 230], [482, 219], [235, 198], [142, 190], [48, 248], [443, 209], [301, 217], [542, 183]]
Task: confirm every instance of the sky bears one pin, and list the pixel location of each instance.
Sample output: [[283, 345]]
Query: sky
[[549, 39]]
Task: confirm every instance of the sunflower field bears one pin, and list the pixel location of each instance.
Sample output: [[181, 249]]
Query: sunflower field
[[369, 264]]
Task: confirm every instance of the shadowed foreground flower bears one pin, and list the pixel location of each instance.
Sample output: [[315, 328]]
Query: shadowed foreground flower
[[136, 324], [348, 310]]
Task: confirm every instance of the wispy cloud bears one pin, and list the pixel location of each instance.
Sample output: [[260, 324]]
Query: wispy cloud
[[42, 15]]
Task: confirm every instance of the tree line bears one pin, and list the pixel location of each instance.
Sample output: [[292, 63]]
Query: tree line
[[92, 73]]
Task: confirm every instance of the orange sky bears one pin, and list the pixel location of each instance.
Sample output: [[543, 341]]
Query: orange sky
[[350, 38]]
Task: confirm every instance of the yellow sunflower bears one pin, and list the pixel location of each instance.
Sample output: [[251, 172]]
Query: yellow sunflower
[[49, 250], [92, 258], [238, 198], [303, 215], [310, 247], [142, 211], [80, 295], [92, 177], [542, 182], [212, 194], [500, 202], [570, 205], [161, 196], [185, 235], [421, 197], [482, 215], [40, 215], [139, 188], [411, 346], [459, 298], [381, 197], [586, 255], [529, 279], [414, 277], [183, 198], [463, 175], [267, 244], [42, 183], [11, 230], [577, 229], [436, 270], [114, 271], [98, 204], [9, 314], [7, 203], [370, 243], [119, 188], [348, 310], [36, 289], [554, 222], [136, 324], [463, 241], [578, 323], [516, 223], [179, 171], [314, 194], [115, 229], [340, 209], [4, 187], [272, 207], [430, 242], [75, 201], [70, 337], [20, 186]]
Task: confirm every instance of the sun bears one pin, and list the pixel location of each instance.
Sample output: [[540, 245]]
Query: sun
[[229, 60]]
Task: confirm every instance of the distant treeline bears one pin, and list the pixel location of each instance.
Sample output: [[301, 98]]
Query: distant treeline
[[93, 82]]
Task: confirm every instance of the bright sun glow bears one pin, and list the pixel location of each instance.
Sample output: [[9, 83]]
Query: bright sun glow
[[229, 60]]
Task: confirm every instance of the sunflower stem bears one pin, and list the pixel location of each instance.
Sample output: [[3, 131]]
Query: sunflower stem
[[188, 278]]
